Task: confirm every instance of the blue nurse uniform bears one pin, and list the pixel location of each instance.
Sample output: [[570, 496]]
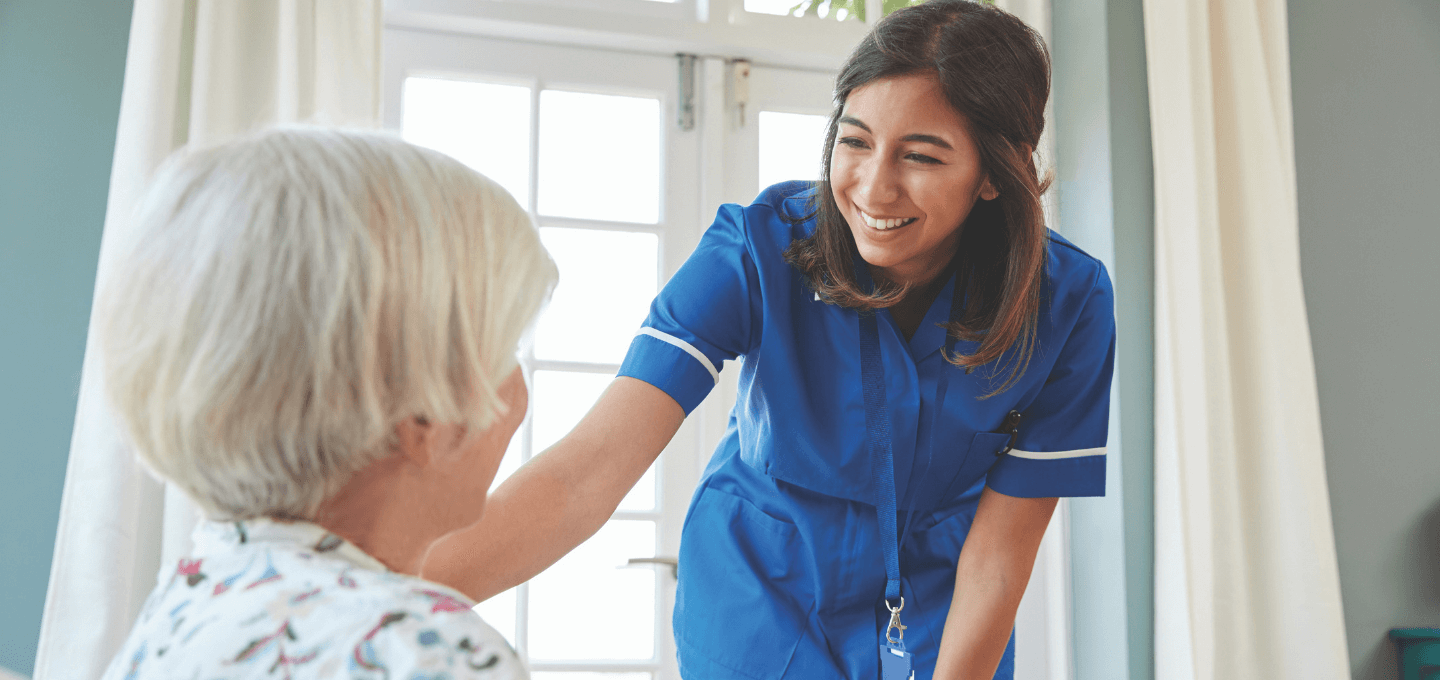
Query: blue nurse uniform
[[781, 569]]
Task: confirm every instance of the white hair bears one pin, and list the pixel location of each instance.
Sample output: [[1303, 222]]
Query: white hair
[[284, 300]]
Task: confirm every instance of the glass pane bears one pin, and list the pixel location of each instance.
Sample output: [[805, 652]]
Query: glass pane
[[890, 6], [510, 462], [588, 607], [560, 399], [564, 675], [791, 146], [499, 612], [840, 10], [483, 125], [599, 157], [607, 281], [642, 497]]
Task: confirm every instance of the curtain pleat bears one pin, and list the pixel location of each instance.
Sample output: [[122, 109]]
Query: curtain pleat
[[196, 72], [1247, 584]]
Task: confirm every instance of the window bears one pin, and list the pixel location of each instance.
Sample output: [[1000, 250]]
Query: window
[[580, 138], [839, 10]]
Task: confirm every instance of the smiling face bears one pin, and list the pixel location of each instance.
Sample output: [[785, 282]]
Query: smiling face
[[904, 172]]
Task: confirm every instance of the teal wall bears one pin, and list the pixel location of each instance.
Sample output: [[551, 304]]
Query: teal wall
[[61, 67], [1133, 192], [1106, 202], [1365, 81]]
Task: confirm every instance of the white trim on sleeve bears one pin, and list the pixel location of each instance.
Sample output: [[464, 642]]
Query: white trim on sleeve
[[1057, 455], [687, 347]]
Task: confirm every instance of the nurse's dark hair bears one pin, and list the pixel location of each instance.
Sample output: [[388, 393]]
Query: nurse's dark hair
[[995, 72]]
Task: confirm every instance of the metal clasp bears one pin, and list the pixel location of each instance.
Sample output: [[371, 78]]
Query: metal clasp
[[895, 622], [1010, 426]]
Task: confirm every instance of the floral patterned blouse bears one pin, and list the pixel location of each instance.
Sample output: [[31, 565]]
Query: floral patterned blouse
[[267, 599]]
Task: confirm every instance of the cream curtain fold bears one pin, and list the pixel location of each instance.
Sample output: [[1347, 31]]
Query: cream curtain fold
[[1246, 579], [196, 72]]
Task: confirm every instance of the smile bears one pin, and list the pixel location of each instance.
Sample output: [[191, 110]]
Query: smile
[[886, 224]]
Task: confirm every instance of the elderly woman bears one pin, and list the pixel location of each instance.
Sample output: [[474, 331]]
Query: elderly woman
[[313, 334]]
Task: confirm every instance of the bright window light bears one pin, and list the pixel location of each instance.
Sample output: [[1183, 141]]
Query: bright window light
[[791, 146]]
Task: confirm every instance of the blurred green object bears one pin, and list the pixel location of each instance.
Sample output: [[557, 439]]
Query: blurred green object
[[854, 9], [1419, 652]]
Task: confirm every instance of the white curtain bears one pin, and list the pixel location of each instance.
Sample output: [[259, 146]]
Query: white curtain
[[1246, 579], [196, 72]]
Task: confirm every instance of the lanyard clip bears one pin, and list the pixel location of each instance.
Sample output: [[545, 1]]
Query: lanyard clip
[[895, 623]]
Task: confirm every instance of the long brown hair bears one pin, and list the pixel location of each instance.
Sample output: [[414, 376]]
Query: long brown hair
[[995, 72]]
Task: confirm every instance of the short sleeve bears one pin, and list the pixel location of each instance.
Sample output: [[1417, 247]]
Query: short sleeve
[[701, 318], [1060, 449]]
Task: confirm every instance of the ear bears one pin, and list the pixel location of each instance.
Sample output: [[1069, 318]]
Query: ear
[[415, 440], [988, 191]]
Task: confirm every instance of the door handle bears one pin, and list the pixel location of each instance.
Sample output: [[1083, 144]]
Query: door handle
[[666, 560]]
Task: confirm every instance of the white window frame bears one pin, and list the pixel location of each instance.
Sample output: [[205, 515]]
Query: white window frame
[[457, 57], [717, 28]]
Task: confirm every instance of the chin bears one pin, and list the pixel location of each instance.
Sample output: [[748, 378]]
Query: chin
[[875, 257]]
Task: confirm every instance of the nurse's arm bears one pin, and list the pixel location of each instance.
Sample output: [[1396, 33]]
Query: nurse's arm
[[990, 578], [562, 496]]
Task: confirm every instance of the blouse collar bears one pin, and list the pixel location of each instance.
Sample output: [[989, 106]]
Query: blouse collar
[[217, 537]]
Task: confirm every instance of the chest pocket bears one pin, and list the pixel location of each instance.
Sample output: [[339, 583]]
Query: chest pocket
[[980, 457]]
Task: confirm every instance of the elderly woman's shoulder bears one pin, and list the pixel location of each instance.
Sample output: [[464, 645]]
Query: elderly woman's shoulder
[[431, 630], [402, 626], [260, 596]]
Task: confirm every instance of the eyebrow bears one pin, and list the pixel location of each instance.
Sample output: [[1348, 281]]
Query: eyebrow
[[927, 139]]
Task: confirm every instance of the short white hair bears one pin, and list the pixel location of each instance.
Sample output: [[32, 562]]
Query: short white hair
[[283, 301]]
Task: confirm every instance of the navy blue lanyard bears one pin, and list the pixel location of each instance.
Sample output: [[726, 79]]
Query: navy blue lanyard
[[882, 454], [878, 439]]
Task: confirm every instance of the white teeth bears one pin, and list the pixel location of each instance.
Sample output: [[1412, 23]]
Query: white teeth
[[883, 225]]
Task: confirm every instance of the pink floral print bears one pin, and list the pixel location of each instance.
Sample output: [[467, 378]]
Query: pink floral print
[[266, 599]]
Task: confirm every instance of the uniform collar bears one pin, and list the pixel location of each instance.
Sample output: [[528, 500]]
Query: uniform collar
[[929, 337], [213, 538]]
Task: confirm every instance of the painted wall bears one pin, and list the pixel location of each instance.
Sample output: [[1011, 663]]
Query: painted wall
[[1106, 203], [61, 67], [1366, 89]]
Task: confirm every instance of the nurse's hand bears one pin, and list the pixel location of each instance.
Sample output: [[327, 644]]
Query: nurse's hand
[[562, 496], [991, 576]]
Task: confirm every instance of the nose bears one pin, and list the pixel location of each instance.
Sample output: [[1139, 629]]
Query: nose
[[878, 183]]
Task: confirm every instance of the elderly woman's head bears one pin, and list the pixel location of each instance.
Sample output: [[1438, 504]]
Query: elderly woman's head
[[299, 306]]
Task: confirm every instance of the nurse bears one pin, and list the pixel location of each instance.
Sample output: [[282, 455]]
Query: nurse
[[924, 369]]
